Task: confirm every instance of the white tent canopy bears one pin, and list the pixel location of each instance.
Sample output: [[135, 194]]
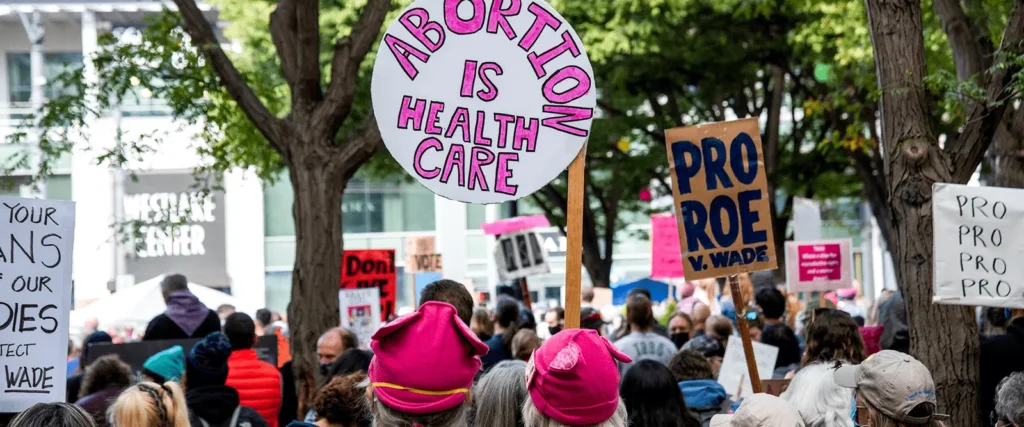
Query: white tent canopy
[[137, 305]]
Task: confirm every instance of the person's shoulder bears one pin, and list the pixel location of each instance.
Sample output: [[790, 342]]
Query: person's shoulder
[[250, 416]]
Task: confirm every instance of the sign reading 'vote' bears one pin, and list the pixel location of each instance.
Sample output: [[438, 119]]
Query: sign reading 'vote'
[[721, 198]]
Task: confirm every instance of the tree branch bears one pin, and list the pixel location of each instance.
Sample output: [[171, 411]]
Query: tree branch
[[306, 91], [771, 143], [349, 52], [358, 149], [968, 53], [272, 128], [282, 32], [983, 117], [548, 210]]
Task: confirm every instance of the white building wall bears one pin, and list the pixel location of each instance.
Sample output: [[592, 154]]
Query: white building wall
[[93, 185]]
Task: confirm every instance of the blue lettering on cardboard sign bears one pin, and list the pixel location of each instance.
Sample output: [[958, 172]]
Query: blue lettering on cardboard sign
[[740, 217]]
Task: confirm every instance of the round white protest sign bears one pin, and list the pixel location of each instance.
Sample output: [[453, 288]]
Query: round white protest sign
[[483, 101]]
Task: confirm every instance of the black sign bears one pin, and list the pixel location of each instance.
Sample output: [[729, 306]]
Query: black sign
[[136, 353], [180, 229]]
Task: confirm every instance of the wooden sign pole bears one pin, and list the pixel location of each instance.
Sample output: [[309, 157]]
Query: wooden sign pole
[[525, 289], [574, 237], [741, 320]]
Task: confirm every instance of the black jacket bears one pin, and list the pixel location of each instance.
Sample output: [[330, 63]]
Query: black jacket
[[163, 328], [1001, 356], [216, 405], [289, 396]]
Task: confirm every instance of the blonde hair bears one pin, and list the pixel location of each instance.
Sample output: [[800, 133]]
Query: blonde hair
[[150, 405], [532, 417]]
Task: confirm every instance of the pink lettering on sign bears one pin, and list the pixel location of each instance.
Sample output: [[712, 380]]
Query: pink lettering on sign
[[820, 262], [423, 29], [460, 26]]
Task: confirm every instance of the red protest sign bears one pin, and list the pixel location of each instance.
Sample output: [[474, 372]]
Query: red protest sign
[[374, 268]]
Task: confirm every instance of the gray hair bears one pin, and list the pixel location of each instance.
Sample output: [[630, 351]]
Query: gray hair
[[1010, 398], [532, 417], [57, 414], [383, 416], [819, 400], [500, 395], [172, 283]]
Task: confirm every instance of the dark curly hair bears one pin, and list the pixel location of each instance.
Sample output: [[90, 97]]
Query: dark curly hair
[[343, 401], [833, 337], [105, 371], [688, 365]]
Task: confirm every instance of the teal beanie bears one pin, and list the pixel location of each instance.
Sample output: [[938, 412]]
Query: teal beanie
[[169, 363]]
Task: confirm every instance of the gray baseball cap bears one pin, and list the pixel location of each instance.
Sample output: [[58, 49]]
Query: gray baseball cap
[[761, 410], [895, 384]]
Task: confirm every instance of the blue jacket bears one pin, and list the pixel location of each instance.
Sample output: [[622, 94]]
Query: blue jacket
[[705, 399]]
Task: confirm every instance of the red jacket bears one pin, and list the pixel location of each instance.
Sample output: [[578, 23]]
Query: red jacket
[[258, 384]]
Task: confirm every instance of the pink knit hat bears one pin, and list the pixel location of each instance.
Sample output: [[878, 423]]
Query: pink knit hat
[[424, 362], [573, 377]]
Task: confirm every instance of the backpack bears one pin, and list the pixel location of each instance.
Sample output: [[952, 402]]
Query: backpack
[[231, 423]]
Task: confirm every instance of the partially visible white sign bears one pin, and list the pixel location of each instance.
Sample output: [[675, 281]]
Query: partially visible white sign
[[520, 255], [734, 366], [483, 102], [806, 219], [36, 243], [360, 312], [979, 245]]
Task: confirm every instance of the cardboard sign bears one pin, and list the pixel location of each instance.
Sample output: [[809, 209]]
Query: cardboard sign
[[136, 353], [720, 192], [421, 255], [483, 102], [520, 255], [978, 245], [823, 265], [360, 312], [36, 242], [374, 268], [666, 257], [734, 366]]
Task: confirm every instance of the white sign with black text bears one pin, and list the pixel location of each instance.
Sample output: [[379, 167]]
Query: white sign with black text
[[979, 245], [520, 255], [36, 241]]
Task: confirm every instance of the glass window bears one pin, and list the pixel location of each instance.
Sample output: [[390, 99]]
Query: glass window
[[19, 73], [58, 187], [368, 207]]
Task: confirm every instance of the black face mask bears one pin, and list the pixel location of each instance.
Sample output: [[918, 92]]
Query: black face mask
[[325, 369], [554, 329], [680, 339]]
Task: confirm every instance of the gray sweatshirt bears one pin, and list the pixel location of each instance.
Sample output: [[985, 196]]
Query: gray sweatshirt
[[645, 345]]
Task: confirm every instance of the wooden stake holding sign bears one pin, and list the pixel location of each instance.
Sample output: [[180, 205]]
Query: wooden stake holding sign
[[489, 119], [574, 235], [720, 192]]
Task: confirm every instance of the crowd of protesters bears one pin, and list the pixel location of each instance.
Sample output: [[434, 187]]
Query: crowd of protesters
[[453, 363]]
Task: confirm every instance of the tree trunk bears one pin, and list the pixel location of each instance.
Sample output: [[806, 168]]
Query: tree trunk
[[316, 275], [1007, 152], [943, 337], [599, 270]]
